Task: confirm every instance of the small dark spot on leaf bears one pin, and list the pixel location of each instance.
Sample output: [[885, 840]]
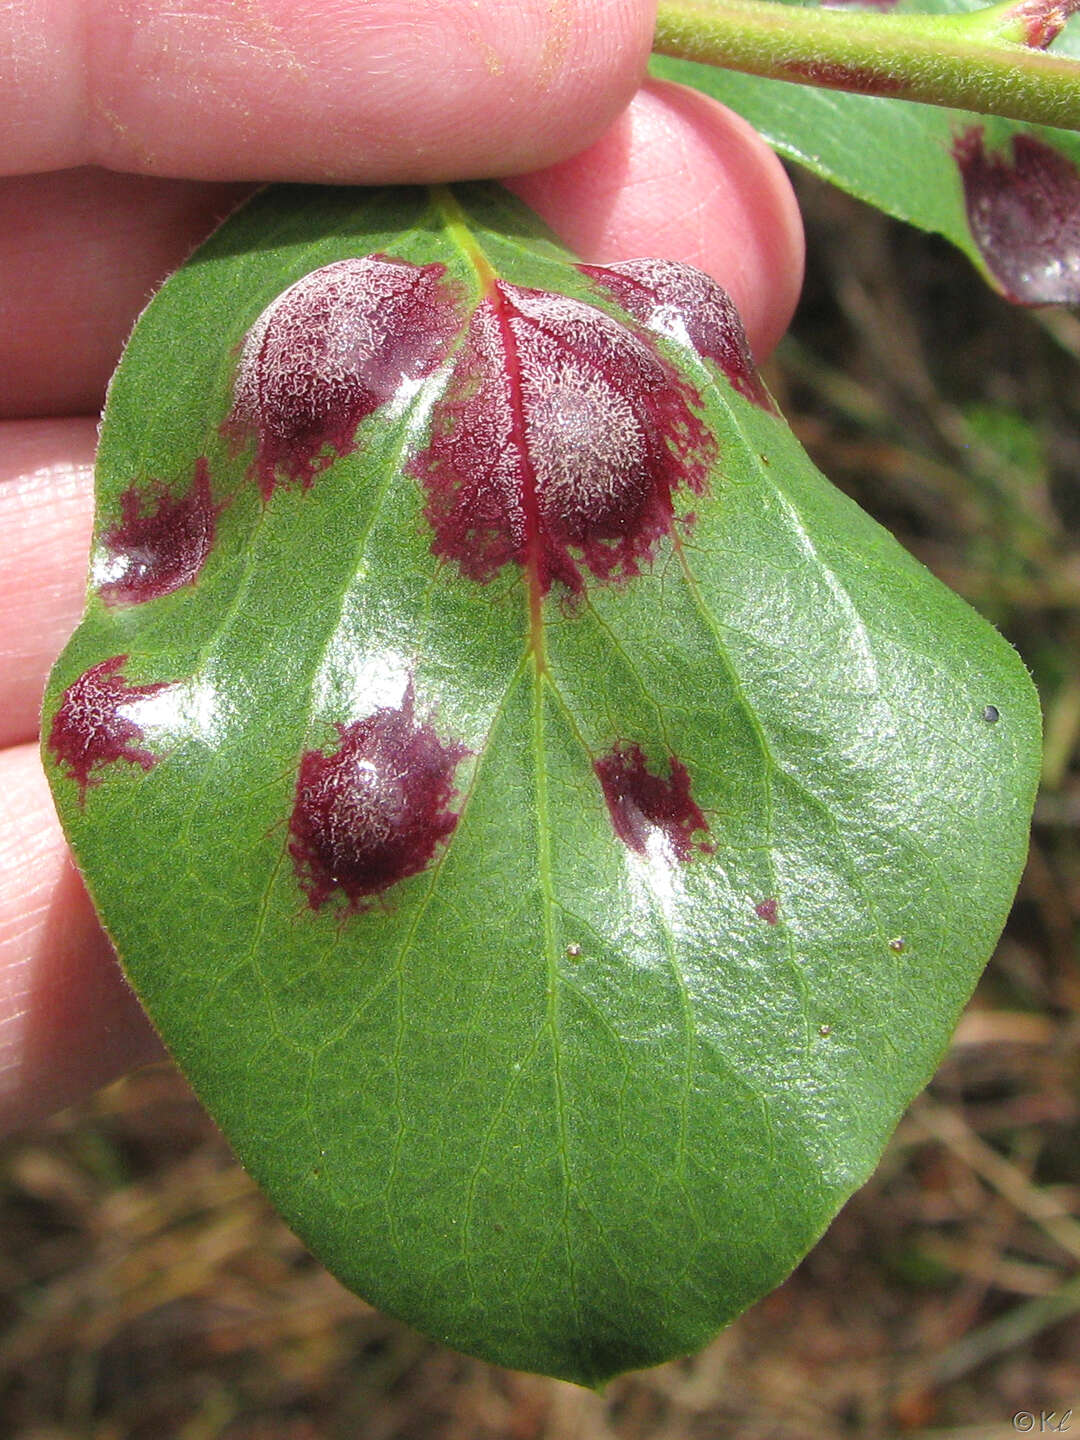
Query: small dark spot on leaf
[[768, 910], [573, 950], [91, 728], [1024, 215], [373, 811], [643, 805], [991, 714], [160, 549], [898, 945], [824, 1030]]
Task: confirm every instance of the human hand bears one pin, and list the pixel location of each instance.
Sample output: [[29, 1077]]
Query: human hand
[[101, 103]]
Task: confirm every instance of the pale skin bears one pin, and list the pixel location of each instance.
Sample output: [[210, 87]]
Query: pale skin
[[126, 131]]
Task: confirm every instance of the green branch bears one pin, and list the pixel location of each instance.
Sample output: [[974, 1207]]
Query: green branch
[[970, 61]]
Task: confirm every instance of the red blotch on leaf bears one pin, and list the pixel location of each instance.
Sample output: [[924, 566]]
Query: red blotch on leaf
[[90, 729], [1024, 215], [154, 553], [767, 910], [642, 804], [328, 352], [1042, 21], [687, 305], [373, 811], [558, 443]]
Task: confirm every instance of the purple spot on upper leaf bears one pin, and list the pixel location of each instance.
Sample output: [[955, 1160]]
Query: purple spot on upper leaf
[[329, 351], [686, 304], [561, 430], [768, 911], [1042, 21], [1024, 215], [643, 805], [157, 552], [374, 810], [91, 728]]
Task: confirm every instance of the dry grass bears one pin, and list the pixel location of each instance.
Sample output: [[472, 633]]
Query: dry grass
[[147, 1292]]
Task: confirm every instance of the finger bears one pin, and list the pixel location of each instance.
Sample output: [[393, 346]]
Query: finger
[[397, 90], [677, 175], [68, 1022], [46, 508], [681, 176], [81, 252]]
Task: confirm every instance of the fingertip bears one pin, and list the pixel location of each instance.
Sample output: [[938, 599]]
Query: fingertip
[[390, 91], [68, 1021], [81, 252], [680, 176]]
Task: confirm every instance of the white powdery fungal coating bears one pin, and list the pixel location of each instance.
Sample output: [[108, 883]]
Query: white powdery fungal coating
[[332, 349], [362, 814], [318, 340], [585, 442], [482, 444], [491, 425], [581, 372], [560, 324], [561, 429], [687, 306], [681, 293]]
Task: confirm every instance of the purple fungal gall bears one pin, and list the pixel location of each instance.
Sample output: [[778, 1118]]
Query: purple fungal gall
[[374, 810], [161, 550], [1024, 215], [1041, 21], [329, 351], [687, 305], [642, 805], [561, 430], [91, 729]]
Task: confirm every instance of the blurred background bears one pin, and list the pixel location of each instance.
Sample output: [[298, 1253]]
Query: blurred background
[[147, 1292]]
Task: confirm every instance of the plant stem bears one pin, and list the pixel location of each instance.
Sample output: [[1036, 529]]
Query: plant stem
[[957, 60]]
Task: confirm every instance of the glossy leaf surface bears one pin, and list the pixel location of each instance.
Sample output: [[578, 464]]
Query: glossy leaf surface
[[1006, 194], [556, 851]]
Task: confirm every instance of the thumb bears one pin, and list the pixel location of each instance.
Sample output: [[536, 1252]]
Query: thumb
[[362, 92]]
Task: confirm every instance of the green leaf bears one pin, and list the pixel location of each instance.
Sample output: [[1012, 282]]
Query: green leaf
[[594, 1073], [902, 157]]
